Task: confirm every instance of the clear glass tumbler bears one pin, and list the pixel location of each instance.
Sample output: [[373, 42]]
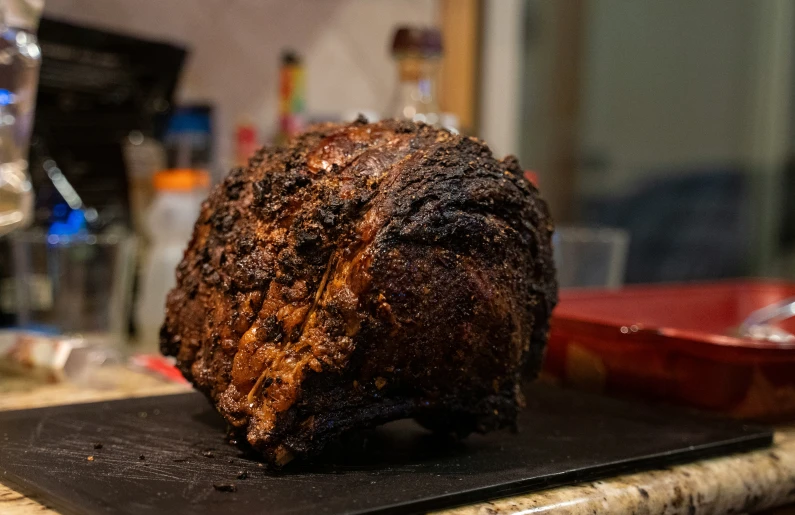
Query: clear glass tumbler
[[592, 257], [76, 285]]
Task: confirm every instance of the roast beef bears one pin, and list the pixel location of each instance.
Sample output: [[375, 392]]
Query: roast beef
[[360, 274]]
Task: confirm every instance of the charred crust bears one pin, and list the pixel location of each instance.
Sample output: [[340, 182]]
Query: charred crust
[[360, 274]]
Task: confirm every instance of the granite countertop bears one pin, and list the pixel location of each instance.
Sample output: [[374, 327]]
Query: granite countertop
[[739, 483]]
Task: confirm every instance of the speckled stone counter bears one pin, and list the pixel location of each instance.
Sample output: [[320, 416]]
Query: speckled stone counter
[[740, 483]]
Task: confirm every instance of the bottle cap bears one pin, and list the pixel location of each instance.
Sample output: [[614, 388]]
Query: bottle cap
[[423, 42], [190, 119], [180, 179], [290, 58], [246, 134]]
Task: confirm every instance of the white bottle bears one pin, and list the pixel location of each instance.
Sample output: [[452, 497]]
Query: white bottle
[[169, 224]]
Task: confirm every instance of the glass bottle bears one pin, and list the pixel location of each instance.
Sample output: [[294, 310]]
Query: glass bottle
[[292, 95], [417, 52], [20, 57]]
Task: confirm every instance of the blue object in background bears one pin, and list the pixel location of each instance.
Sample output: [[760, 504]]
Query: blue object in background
[[67, 221], [6, 97], [189, 137], [189, 119]]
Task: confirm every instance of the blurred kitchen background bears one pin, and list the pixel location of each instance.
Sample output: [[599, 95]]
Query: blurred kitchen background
[[660, 133], [671, 120]]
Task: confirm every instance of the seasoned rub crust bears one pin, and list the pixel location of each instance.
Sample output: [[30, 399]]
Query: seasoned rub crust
[[360, 274]]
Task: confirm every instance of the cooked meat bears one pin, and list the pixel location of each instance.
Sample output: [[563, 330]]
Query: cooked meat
[[361, 274]]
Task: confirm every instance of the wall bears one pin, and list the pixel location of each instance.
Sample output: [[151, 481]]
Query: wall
[[667, 87], [235, 47]]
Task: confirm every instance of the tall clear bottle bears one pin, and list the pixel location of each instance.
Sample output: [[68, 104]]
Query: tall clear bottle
[[20, 58], [418, 53]]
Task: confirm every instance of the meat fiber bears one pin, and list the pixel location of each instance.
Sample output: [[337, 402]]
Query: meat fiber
[[364, 273]]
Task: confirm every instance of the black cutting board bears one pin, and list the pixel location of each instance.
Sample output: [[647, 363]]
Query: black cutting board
[[165, 454]]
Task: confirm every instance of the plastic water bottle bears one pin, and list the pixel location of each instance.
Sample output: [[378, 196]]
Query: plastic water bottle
[[169, 224], [20, 58]]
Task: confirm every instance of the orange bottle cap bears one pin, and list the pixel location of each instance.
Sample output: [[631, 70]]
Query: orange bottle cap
[[180, 179]]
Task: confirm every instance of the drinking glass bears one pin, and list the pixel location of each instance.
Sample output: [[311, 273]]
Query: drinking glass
[[590, 256], [74, 285]]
